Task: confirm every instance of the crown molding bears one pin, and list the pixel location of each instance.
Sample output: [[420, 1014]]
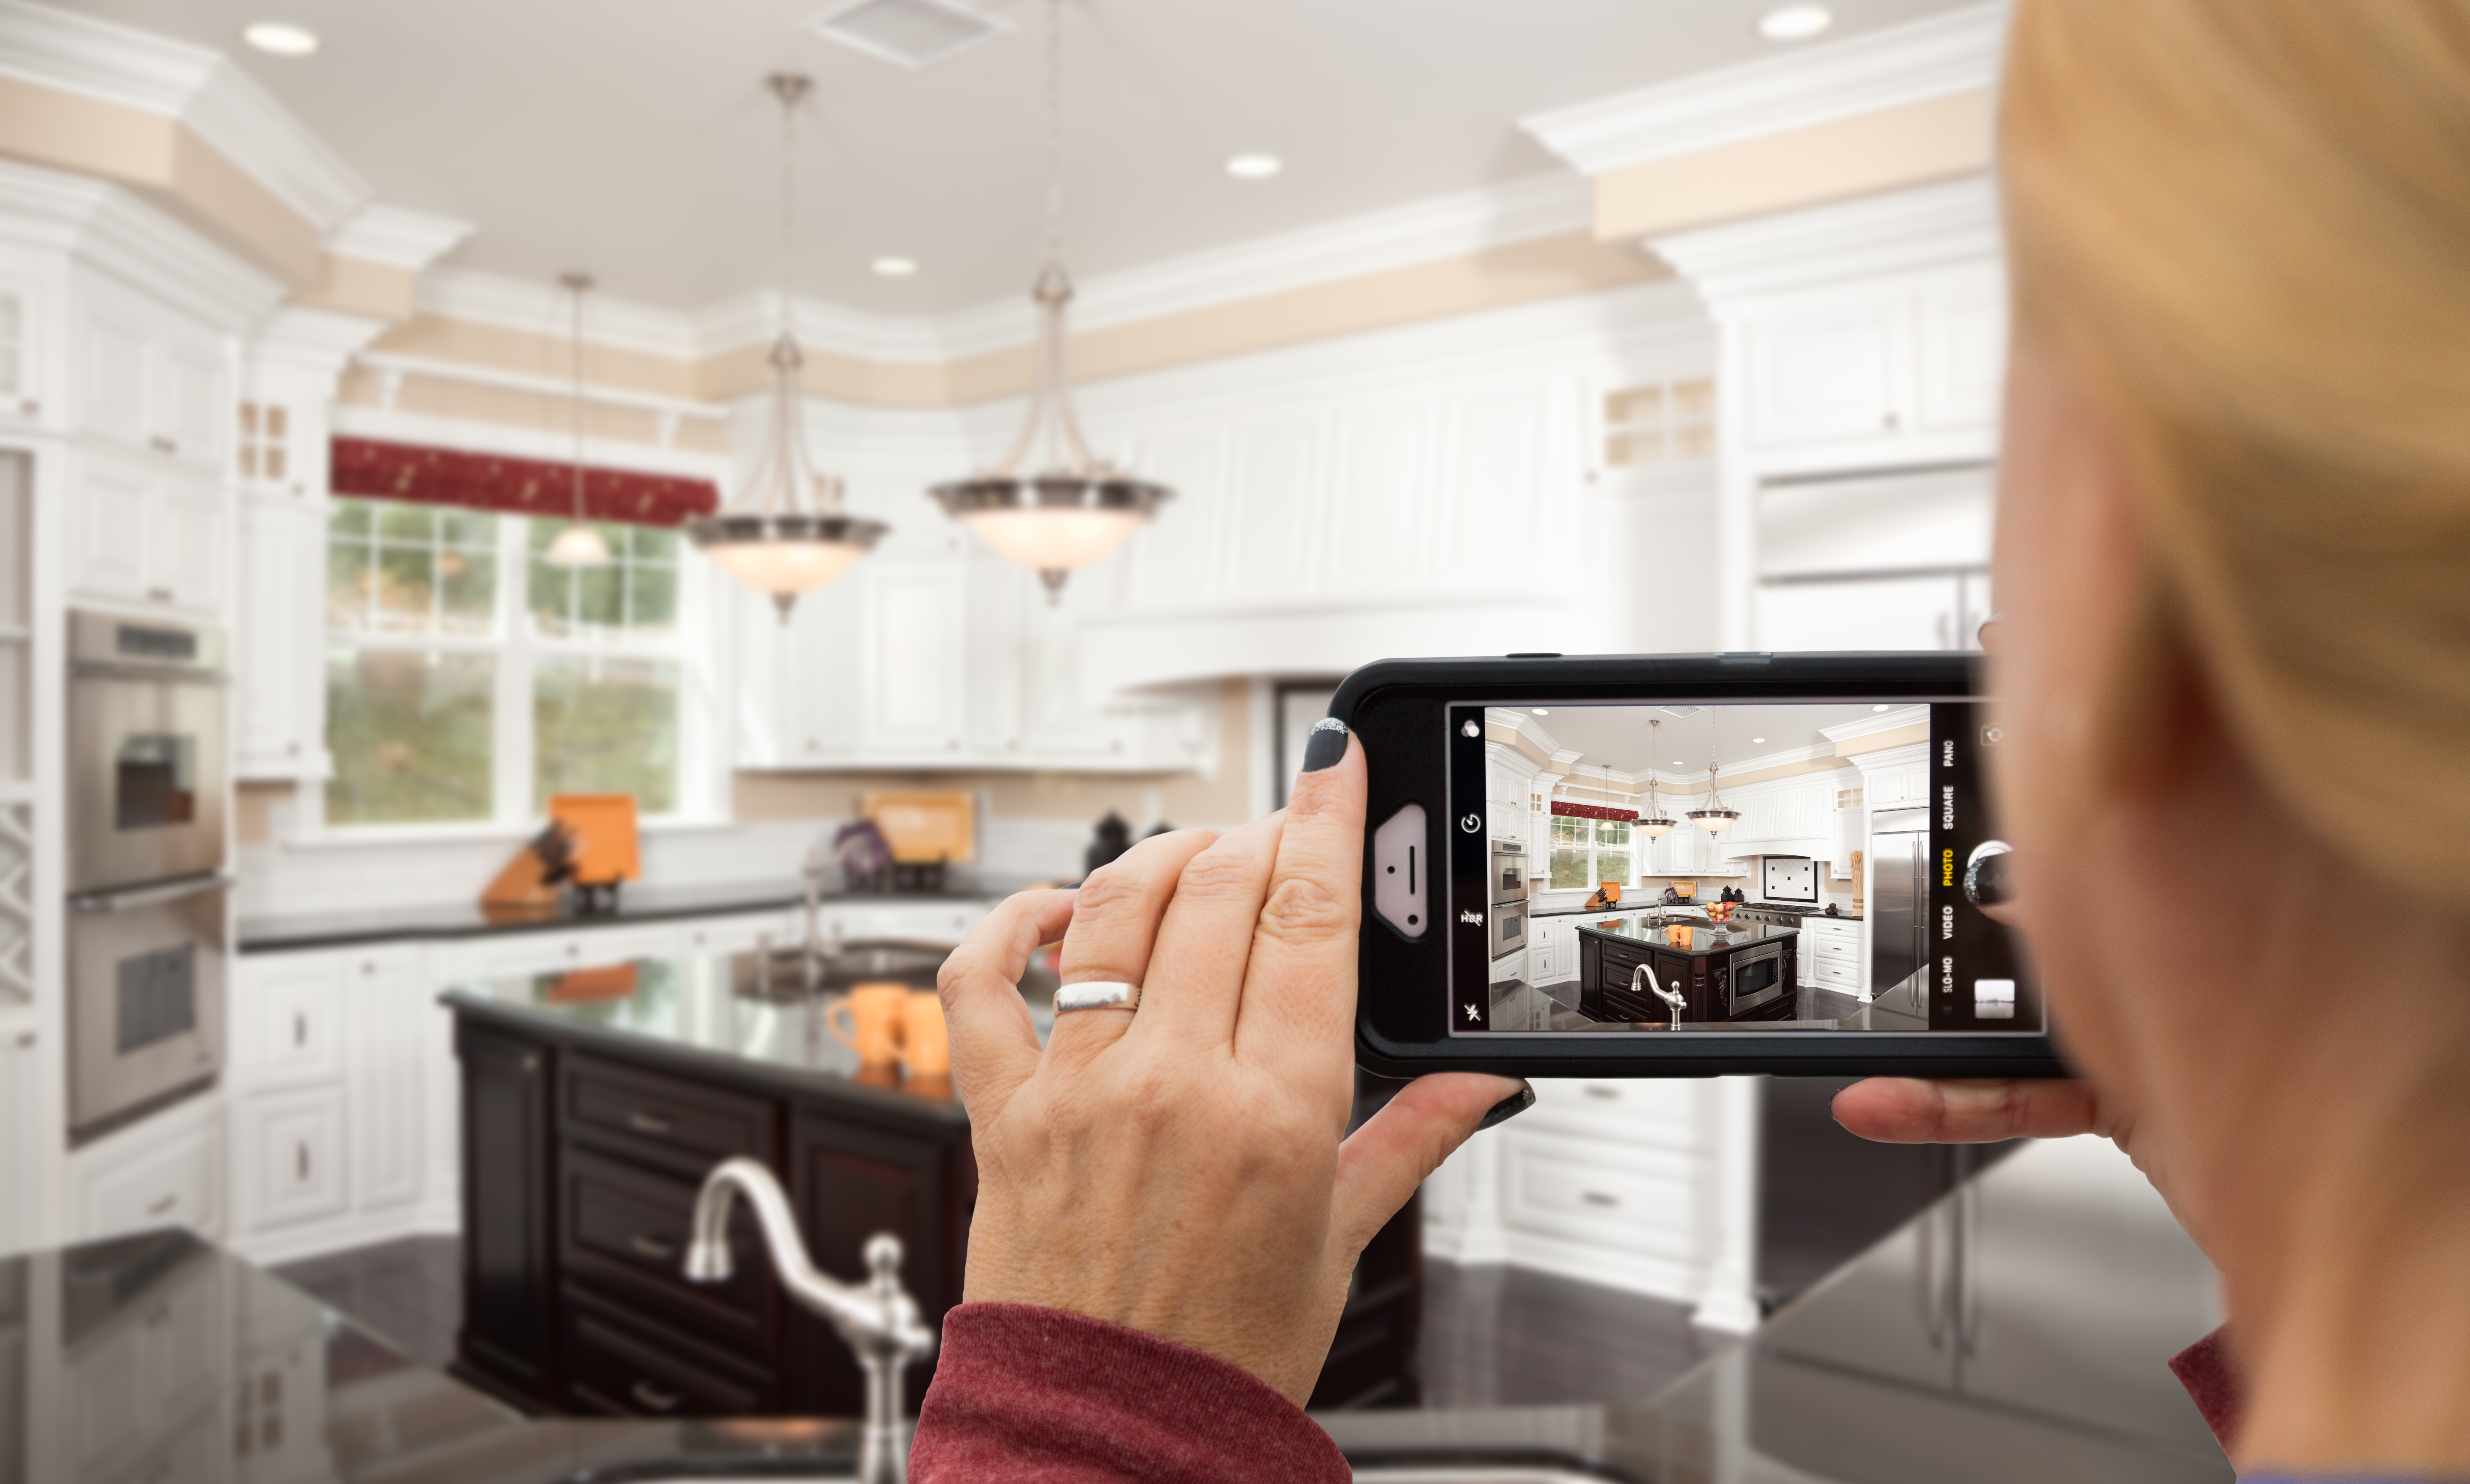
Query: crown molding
[[1949, 52], [358, 420], [194, 86], [1895, 232], [1871, 726], [314, 340], [547, 310], [396, 237], [755, 319], [112, 231]]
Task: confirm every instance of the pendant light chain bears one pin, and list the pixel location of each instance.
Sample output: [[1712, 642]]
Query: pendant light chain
[[789, 89], [578, 282], [1055, 133]]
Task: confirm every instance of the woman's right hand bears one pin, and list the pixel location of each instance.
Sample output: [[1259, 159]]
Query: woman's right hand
[[1916, 1110]]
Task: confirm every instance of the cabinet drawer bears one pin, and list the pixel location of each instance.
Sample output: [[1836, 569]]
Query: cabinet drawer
[[290, 1157], [1633, 1202], [543, 952], [627, 1228], [290, 1020], [1833, 976], [176, 1181], [625, 1366], [663, 1120], [1662, 1114]]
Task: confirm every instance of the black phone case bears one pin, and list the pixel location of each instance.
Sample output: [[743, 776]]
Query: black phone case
[[1396, 708]]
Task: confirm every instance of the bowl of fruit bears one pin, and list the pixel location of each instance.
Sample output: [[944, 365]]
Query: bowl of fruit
[[1720, 912]]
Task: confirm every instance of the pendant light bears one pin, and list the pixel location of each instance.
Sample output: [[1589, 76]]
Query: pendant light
[[1654, 826], [1072, 509], [1714, 819], [579, 545], [786, 533]]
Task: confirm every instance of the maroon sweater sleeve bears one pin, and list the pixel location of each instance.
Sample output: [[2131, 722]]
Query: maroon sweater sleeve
[[1043, 1396], [2206, 1369]]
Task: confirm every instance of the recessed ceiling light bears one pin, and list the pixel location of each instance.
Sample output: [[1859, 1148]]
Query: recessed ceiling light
[[279, 38], [1254, 167], [1678, 763], [1755, 740], [1539, 712], [1878, 708], [893, 267], [1795, 22]]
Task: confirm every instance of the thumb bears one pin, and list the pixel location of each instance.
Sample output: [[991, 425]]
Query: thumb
[[1381, 1164]]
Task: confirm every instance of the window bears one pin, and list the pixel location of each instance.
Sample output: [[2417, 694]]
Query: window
[[1587, 852], [468, 679]]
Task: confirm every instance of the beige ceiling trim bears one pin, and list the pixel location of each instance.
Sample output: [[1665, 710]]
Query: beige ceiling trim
[[1881, 741], [505, 406], [369, 291], [522, 352], [167, 164], [1913, 144]]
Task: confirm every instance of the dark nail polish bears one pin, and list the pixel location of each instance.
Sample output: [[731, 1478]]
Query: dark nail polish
[[1508, 1107], [1326, 745]]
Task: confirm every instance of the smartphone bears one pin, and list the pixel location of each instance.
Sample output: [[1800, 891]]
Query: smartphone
[[1624, 866]]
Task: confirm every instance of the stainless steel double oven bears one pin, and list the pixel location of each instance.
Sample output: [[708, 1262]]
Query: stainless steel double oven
[[148, 951], [1508, 911]]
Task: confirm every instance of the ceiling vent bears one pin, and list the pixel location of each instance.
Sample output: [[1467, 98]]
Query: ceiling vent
[[912, 33], [1684, 712]]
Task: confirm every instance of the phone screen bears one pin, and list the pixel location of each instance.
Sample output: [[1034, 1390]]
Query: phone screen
[[1745, 867]]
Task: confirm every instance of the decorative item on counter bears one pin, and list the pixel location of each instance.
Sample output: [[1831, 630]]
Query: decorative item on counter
[[1831, 911], [526, 889], [1683, 891], [1113, 838], [1720, 911], [608, 851], [1671, 896], [925, 831], [865, 857]]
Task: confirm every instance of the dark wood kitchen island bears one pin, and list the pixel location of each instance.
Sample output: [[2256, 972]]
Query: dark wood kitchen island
[[594, 1103], [1724, 972]]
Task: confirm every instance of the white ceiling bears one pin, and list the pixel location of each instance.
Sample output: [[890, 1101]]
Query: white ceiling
[[631, 138], [1619, 737]]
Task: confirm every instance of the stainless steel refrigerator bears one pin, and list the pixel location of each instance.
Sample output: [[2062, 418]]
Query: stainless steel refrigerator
[[1898, 907]]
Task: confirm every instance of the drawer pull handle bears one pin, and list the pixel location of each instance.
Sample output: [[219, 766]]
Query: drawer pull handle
[[301, 1159], [652, 1398], [299, 1030], [1599, 1199], [647, 1123], [653, 1247], [1608, 1094], [163, 1205]]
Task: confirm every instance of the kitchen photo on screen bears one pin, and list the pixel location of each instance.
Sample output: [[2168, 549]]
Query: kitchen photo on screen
[[1743, 867]]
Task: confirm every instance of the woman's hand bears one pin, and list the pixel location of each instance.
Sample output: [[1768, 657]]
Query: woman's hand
[[1913, 1110], [1179, 1168]]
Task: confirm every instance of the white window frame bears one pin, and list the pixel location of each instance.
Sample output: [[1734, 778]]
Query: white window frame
[[1594, 848], [702, 783]]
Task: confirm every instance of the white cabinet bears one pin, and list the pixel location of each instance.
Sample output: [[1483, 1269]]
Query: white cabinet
[[279, 683], [1934, 612], [139, 533], [1795, 810], [1831, 954], [392, 1015], [167, 1171], [1876, 372], [1901, 784], [288, 1019], [22, 1207], [22, 347], [151, 378], [913, 678], [288, 1157]]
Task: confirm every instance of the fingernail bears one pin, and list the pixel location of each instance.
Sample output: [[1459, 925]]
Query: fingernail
[[1508, 1107], [1326, 745]]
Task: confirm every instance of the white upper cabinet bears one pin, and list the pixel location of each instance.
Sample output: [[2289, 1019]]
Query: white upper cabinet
[[279, 678], [139, 533], [151, 378], [22, 346], [1877, 372], [912, 674]]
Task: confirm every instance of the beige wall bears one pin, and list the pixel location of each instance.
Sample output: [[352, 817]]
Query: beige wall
[[1935, 139]]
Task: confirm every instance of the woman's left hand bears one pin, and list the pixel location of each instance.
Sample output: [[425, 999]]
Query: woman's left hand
[[1179, 1168]]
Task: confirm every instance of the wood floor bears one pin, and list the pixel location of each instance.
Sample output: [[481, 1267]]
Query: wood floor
[[1492, 1336]]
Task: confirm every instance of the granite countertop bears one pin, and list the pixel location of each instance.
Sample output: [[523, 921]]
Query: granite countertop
[[736, 1017], [2076, 1283], [1686, 937], [635, 904], [1683, 910]]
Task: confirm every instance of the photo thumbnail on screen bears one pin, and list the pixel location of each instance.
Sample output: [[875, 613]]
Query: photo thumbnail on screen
[[1750, 867]]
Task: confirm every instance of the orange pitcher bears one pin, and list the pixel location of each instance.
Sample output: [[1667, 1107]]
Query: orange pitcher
[[874, 1012]]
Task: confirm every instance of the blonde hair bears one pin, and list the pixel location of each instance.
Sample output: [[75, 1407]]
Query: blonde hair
[[2247, 225]]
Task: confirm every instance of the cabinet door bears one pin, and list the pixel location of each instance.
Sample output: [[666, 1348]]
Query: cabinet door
[[288, 1157], [114, 362], [21, 345], [1893, 613], [19, 1215], [801, 677], [508, 1190], [1827, 374], [389, 1036], [192, 400], [914, 683], [280, 681], [107, 536], [1962, 327], [288, 1015], [850, 1181], [186, 549]]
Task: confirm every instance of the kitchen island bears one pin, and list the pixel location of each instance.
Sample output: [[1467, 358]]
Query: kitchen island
[[1720, 972], [595, 1100]]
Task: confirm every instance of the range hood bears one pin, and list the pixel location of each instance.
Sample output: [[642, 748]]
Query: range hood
[[1816, 848]]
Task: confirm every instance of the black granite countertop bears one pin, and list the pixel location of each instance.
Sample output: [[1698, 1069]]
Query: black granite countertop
[[732, 1016], [1685, 937], [635, 904], [2074, 1288]]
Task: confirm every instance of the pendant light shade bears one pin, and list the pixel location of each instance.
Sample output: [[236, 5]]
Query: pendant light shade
[[579, 545], [785, 534], [1714, 819], [1653, 824], [1073, 509]]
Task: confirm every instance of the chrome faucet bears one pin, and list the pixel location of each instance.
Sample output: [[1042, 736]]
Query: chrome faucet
[[877, 1318], [1671, 997]]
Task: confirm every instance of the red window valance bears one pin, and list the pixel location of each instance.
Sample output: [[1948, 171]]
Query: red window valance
[[1563, 806], [515, 486]]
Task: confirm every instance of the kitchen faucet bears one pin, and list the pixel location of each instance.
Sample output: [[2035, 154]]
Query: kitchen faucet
[[877, 1318], [1670, 997]]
